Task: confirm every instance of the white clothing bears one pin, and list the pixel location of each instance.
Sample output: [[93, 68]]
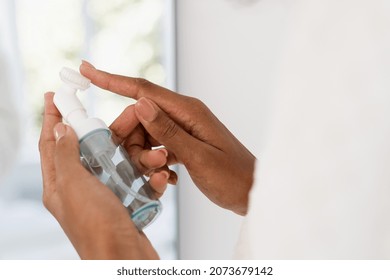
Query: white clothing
[[322, 187]]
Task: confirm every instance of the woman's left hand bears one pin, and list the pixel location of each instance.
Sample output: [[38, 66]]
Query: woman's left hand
[[93, 218]]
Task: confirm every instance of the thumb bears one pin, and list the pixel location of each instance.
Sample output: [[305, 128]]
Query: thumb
[[165, 130], [67, 154]]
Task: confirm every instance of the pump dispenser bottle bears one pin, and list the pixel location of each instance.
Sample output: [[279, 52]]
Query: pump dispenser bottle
[[106, 160]]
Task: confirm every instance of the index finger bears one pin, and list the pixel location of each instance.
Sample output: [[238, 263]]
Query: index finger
[[132, 87]]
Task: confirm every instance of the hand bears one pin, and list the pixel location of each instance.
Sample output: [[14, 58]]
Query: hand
[[93, 218], [217, 162], [137, 145]]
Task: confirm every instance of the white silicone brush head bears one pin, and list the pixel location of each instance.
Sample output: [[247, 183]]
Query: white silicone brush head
[[74, 79], [70, 106]]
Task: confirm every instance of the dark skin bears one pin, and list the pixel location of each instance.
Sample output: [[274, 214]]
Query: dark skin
[[220, 166], [93, 218]]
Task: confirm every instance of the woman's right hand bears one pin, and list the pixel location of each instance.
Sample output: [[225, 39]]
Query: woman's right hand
[[217, 162]]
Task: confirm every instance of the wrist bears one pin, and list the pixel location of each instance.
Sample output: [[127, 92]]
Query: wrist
[[125, 242]]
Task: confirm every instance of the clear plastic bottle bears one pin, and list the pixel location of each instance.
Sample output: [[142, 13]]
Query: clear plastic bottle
[[106, 160]]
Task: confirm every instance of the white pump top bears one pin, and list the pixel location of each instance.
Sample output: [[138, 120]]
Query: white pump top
[[70, 106]]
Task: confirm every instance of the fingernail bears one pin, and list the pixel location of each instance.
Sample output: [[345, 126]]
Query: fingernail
[[146, 110], [165, 174], [59, 131], [87, 64], [165, 152]]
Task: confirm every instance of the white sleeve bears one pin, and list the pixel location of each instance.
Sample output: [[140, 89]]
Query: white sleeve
[[323, 180]]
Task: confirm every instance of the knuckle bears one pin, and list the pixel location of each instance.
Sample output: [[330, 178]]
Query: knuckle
[[195, 102], [46, 200], [141, 84], [141, 81], [198, 106], [170, 129]]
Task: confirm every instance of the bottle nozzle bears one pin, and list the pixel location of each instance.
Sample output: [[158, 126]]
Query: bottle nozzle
[[70, 106]]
